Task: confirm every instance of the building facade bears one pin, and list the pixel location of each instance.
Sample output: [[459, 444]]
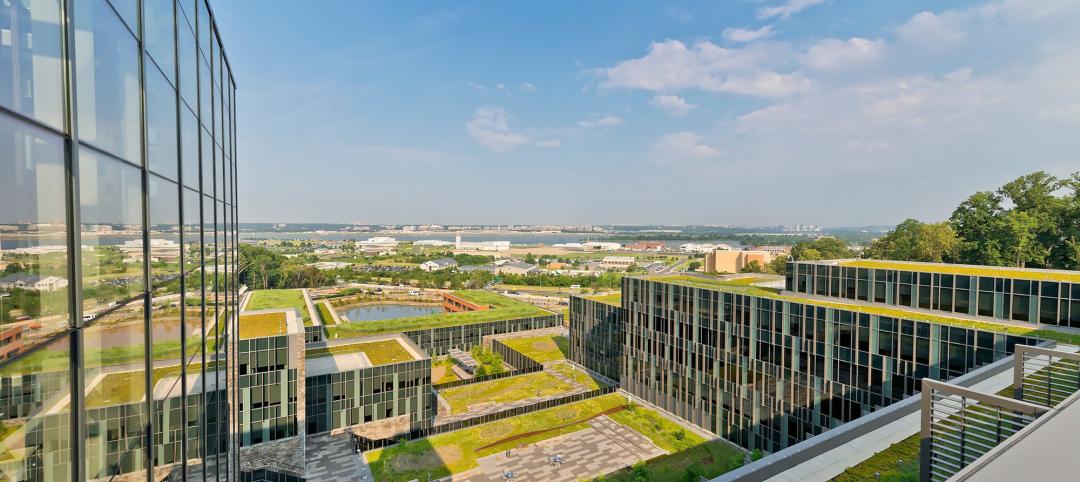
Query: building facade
[[118, 185], [766, 371]]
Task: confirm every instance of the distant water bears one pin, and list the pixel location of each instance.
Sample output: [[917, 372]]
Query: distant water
[[514, 238], [386, 312]]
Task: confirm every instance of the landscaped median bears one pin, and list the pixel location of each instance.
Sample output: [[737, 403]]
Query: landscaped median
[[502, 308]]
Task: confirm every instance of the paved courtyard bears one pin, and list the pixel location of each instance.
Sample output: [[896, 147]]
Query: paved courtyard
[[332, 458], [603, 447]]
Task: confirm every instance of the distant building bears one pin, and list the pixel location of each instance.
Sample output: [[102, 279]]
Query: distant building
[[10, 342], [378, 245], [434, 243], [480, 245], [33, 282], [325, 265], [516, 267], [732, 261], [776, 251], [480, 267], [646, 246], [601, 246], [702, 248], [557, 265], [438, 264], [617, 262]]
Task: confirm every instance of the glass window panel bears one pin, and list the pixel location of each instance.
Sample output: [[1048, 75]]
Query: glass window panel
[[31, 80], [208, 164], [189, 66], [110, 195], [107, 60], [204, 27], [161, 136], [33, 250], [37, 416], [189, 147], [160, 43], [115, 366], [209, 261], [164, 236], [192, 231], [129, 12], [205, 112]]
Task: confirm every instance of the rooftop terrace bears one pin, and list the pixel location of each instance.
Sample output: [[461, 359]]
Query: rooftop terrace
[[744, 286], [1032, 274], [502, 308]]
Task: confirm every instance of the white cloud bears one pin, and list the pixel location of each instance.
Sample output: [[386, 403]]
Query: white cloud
[[476, 86], [527, 87], [500, 87], [786, 9], [672, 104], [490, 126], [607, 120], [747, 35], [682, 146], [933, 31], [834, 53], [680, 16], [671, 66]]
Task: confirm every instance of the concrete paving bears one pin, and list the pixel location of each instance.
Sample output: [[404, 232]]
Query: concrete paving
[[604, 447], [332, 458]]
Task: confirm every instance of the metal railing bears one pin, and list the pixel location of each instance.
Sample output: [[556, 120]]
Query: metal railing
[[1044, 376]]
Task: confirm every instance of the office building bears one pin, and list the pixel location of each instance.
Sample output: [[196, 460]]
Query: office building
[[734, 261], [117, 188], [768, 368]]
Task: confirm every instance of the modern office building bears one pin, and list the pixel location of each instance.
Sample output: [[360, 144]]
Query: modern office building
[[768, 368], [118, 185]]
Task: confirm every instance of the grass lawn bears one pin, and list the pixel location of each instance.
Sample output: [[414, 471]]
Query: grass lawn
[[743, 287], [502, 308], [710, 459], [540, 348], [580, 376], [530, 385], [261, 325], [382, 352], [457, 451], [324, 313], [277, 299]]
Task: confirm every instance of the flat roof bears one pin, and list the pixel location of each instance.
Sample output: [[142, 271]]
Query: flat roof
[[262, 324], [745, 286], [378, 352], [1032, 274], [500, 308]]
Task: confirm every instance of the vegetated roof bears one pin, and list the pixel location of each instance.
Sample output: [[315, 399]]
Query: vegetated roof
[[614, 299], [501, 308], [273, 299], [1032, 274], [744, 287], [382, 352], [260, 325]]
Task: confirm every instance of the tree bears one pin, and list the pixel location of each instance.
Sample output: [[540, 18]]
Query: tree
[[916, 241], [975, 222], [1019, 239], [529, 258], [778, 265], [693, 266], [821, 248], [752, 267]]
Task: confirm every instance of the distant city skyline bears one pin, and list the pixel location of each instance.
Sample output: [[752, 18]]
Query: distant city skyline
[[838, 113]]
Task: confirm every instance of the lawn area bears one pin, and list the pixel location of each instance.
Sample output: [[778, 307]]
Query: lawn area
[[502, 308], [540, 348], [262, 325], [324, 313], [128, 387], [580, 376], [710, 459], [899, 462], [277, 299], [441, 371], [967, 270], [457, 451], [895, 312], [537, 384], [382, 352]]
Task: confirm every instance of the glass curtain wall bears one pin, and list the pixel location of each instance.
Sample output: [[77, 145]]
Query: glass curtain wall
[[118, 285]]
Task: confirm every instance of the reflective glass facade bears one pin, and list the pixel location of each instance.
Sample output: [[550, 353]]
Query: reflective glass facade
[[117, 242]]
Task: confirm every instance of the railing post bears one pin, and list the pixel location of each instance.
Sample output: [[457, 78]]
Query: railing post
[[925, 430]]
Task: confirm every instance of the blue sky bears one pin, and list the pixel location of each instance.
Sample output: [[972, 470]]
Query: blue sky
[[834, 112]]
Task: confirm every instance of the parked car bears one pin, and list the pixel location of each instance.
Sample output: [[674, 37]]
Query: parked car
[[415, 292]]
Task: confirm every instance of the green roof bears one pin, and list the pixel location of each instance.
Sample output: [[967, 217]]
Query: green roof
[[967, 270], [744, 288], [277, 299], [382, 352], [129, 387], [501, 308], [261, 325], [614, 299]]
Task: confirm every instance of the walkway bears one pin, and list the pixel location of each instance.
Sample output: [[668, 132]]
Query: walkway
[[604, 447]]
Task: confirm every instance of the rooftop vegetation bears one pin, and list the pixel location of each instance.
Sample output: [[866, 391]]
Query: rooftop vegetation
[[278, 299], [260, 325], [540, 348], [502, 308], [503, 390], [967, 270], [614, 299], [881, 310], [382, 352]]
